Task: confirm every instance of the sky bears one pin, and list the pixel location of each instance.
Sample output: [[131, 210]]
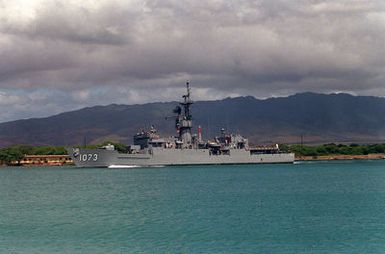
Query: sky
[[57, 56]]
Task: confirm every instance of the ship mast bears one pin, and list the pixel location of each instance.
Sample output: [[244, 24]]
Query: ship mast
[[183, 121]]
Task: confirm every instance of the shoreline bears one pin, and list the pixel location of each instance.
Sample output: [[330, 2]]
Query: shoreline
[[64, 160], [376, 156]]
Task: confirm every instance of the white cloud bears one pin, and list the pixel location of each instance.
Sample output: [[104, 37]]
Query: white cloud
[[81, 95], [9, 99]]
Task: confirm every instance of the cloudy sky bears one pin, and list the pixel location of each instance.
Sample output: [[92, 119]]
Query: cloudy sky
[[57, 56]]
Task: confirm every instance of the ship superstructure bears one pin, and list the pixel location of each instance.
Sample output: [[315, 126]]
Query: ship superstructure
[[149, 149]]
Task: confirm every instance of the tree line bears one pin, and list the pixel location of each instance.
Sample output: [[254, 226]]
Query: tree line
[[334, 149], [17, 152]]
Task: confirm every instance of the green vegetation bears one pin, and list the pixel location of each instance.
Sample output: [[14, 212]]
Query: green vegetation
[[17, 152], [334, 149]]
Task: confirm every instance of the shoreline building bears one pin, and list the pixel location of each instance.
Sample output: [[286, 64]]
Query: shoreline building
[[45, 160]]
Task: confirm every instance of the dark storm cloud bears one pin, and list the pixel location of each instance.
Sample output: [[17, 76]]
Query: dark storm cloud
[[92, 52]]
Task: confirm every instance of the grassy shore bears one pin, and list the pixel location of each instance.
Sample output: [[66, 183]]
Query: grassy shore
[[376, 156], [49, 155]]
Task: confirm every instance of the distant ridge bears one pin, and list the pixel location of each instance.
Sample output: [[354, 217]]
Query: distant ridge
[[318, 117]]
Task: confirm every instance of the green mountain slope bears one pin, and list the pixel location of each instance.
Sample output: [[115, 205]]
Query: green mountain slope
[[318, 117]]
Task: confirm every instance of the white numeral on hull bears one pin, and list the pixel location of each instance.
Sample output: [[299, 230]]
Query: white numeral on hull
[[88, 157]]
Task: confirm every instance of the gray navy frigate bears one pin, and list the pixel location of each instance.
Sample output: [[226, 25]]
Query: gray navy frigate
[[149, 149]]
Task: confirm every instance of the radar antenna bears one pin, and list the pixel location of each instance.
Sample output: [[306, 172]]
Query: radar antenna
[[183, 121], [183, 118]]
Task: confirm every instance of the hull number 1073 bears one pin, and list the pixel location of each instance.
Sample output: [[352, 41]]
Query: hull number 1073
[[88, 157]]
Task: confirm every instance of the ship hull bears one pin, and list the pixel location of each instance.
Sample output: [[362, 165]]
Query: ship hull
[[172, 157]]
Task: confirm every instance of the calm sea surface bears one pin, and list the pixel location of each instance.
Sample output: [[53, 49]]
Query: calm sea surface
[[320, 207]]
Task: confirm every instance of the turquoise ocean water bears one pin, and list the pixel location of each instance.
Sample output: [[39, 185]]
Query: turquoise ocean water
[[320, 207]]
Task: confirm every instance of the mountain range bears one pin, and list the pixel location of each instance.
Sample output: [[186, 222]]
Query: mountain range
[[310, 117]]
